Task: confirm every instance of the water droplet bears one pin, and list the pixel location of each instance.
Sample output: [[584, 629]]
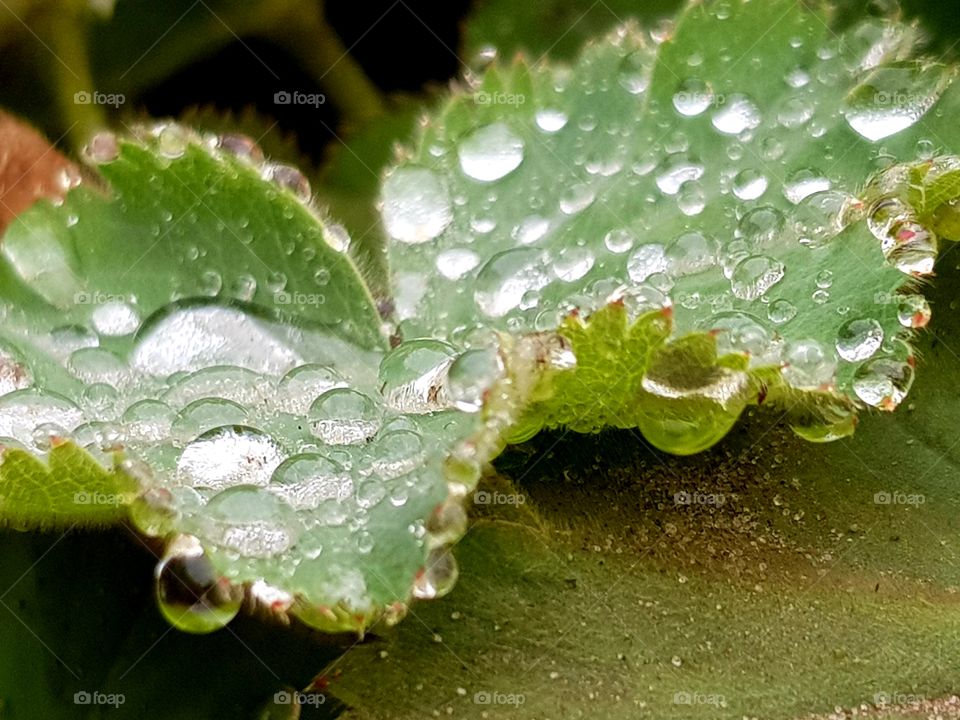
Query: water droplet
[[206, 414], [453, 264], [14, 373], [795, 112], [883, 382], [413, 375], [344, 416], [103, 148], [692, 97], [635, 71], [754, 276], [471, 376], [893, 97], [781, 311], [738, 114], [761, 226], [576, 198], [691, 253], [913, 311], [249, 521], [808, 366], [618, 241], [416, 206], [797, 78], [675, 170], [115, 318], [190, 594], [490, 153], [307, 480], [691, 199], [229, 456], [506, 278], [98, 365], [551, 120], [288, 178], [304, 384], [803, 182], [438, 576], [572, 263], [749, 184], [820, 217], [859, 339], [531, 229], [645, 261]]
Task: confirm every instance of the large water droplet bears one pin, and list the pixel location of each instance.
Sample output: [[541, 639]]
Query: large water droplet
[[416, 205], [490, 153], [893, 97], [803, 182], [190, 594], [453, 264], [808, 366], [551, 120], [737, 114], [754, 276], [438, 576], [344, 416], [692, 97], [859, 339], [229, 456], [675, 170], [506, 278], [645, 261], [883, 383], [691, 253], [471, 376], [749, 184], [309, 479], [249, 521], [413, 375]]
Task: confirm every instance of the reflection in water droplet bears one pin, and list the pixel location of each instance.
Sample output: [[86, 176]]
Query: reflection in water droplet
[[883, 383], [229, 456], [344, 416], [471, 376], [506, 278], [754, 276]]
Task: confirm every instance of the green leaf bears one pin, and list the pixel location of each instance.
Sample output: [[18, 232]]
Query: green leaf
[[762, 578], [716, 174], [195, 335]]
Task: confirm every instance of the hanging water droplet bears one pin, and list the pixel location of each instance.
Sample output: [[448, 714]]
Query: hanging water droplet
[[883, 382], [190, 594], [859, 339], [416, 206], [808, 366], [754, 276], [491, 152], [913, 311], [344, 416], [438, 576], [502, 283], [737, 115], [551, 120]]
